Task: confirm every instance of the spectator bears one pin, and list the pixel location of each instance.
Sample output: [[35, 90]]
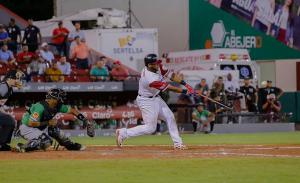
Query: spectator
[[108, 64], [230, 85], [214, 108], [201, 116], [33, 67], [262, 95], [4, 38], [25, 57], [80, 53], [37, 66], [46, 54], [272, 107], [119, 72], [64, 66], [203, 89], [6, 56], [99, 72], [251, 97], [76, 33], [54, 74], [59, 36], [14, 33], [278, 92], [219, 89], [32, 36]]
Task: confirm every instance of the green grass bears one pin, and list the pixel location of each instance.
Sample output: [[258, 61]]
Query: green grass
[[207, 170], [231, 170], [201, 139]]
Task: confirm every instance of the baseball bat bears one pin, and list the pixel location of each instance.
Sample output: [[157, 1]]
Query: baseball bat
[[212, 100]]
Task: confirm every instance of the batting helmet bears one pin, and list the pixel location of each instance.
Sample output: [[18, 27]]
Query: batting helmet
[[150, 58], [58, 94]]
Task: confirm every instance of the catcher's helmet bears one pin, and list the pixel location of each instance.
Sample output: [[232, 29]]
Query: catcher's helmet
[[58, 94], [150, 58]]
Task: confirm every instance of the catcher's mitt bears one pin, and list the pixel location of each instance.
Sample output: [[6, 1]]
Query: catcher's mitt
[[90, 128]]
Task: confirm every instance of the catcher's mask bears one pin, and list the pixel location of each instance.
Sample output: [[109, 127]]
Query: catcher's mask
[[58, 94], [17, 75]]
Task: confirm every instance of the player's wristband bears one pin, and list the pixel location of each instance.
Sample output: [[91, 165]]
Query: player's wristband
[[182, 82], [184, 91], [81, 117]]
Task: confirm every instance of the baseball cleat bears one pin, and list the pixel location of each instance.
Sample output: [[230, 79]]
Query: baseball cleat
[[119, 138], [179, 147], [20, 148], [82, 148]]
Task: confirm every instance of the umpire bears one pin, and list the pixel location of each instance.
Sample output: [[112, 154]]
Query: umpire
[[7, 123]]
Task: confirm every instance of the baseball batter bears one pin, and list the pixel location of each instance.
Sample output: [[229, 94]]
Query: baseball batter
[[7, 123], [39, 126], [152, 106]]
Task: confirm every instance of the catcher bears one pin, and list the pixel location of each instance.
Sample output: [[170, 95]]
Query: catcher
[[39, 126]]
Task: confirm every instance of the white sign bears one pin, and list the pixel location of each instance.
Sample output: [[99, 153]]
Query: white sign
[[129, 46]]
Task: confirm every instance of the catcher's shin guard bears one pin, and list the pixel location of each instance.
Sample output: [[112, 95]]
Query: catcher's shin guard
[[63, 140], [42, 143], [90, 128]]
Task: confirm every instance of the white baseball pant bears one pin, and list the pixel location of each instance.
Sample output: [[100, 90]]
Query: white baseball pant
[[153, 109]]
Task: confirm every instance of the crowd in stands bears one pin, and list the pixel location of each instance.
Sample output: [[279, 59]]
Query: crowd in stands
[[65, 58]]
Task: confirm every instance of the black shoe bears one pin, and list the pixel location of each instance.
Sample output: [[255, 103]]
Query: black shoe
[[5, 147], [20, 148]]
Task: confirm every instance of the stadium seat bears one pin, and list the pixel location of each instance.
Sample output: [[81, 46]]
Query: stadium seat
[[38, 78], [69, 78], [81, 75], [3, 69]]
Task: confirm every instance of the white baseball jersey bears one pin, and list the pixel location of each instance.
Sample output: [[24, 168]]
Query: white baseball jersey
[[152, 108], [148, 77]]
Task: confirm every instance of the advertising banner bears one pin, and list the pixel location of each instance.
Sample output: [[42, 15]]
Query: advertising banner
[[122, 112], [74, 87], [264, 27], [279, 19]]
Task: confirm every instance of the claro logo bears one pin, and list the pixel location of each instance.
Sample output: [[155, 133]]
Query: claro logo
[[223, 39]]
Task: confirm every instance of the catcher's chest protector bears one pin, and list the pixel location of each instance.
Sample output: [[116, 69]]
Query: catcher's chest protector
[[49, 113]]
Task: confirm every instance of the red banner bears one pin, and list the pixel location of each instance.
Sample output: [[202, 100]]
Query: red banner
[[121, 112]]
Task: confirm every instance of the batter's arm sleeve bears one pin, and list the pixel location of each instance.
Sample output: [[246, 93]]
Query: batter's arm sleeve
[[177, 89], [160, 85]]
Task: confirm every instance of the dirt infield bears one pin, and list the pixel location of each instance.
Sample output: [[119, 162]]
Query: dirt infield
[[163, 152]]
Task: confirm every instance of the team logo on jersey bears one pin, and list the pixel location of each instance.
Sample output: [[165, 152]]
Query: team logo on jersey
[[35, 115]]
